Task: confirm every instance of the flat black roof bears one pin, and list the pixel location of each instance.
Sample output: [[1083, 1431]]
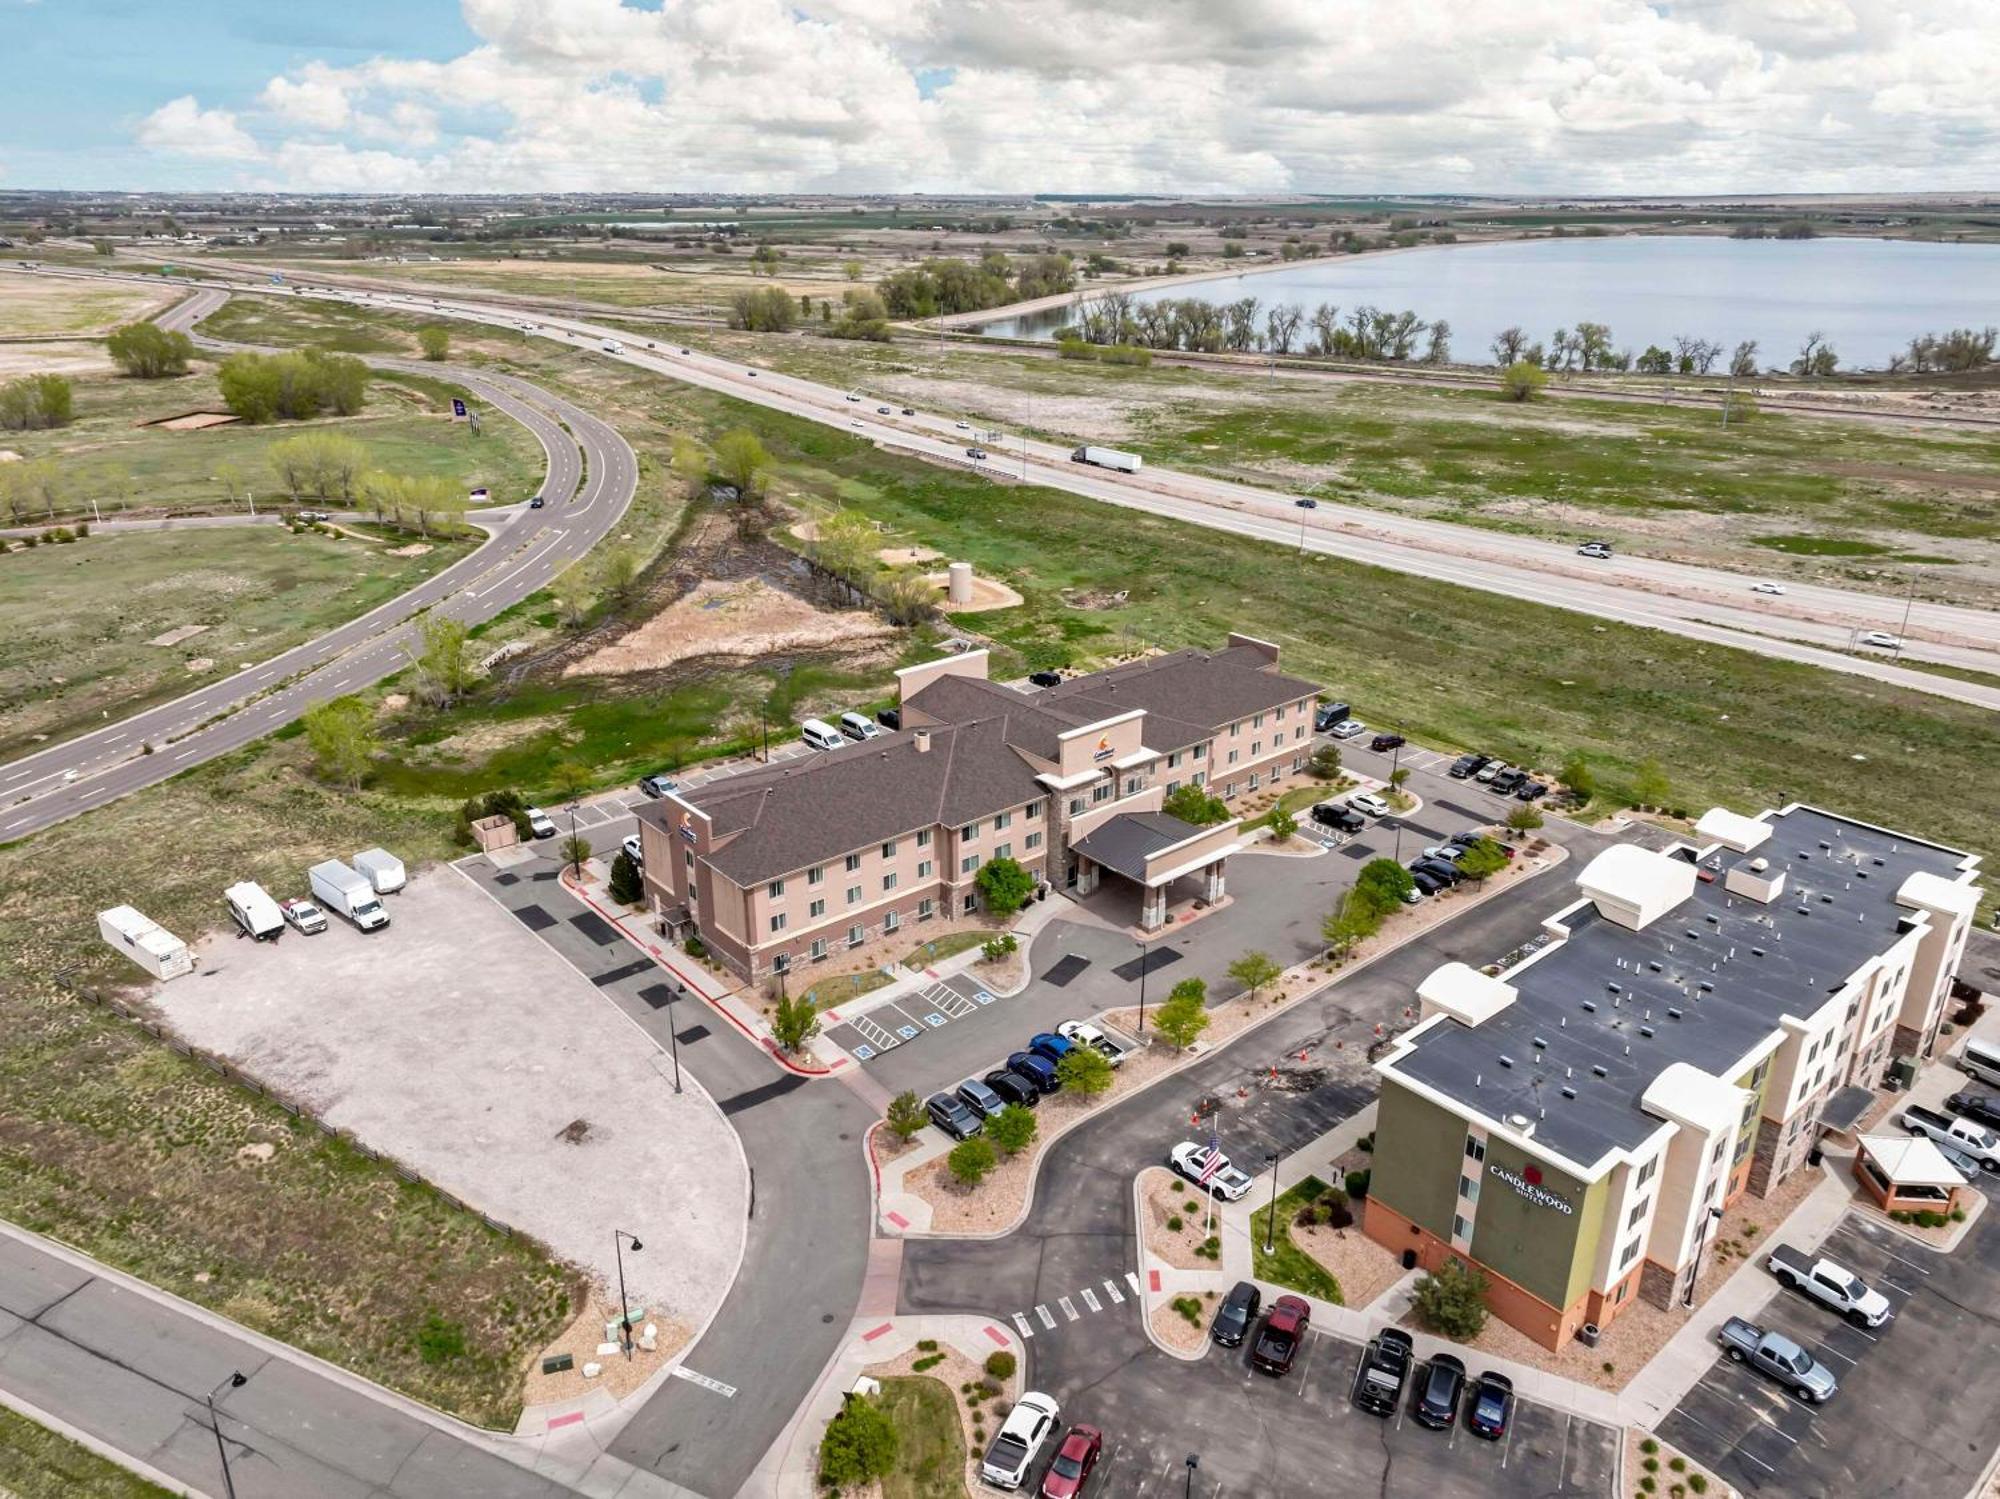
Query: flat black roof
[[1703, 984]]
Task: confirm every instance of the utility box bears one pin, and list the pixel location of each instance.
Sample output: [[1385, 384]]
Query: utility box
[[495, 833], [145, 942]]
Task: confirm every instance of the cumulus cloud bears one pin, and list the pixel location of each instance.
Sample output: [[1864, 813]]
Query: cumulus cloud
[[1170, 96]]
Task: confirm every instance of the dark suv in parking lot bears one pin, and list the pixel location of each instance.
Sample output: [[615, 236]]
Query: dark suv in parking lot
[[1467, 766], [1385, 1365], [1330, 714], [1438, 1391], [1234, 1316], [1387, 742], [1341, 819], [1508, 782]]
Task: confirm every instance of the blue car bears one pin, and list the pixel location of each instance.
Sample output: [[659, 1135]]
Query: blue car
[[1051, 1046], [1036, 1069]]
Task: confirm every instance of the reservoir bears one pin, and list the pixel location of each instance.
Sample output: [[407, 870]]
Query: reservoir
[[1870, 297]]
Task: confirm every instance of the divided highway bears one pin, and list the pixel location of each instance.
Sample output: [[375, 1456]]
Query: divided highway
[[592, 476]]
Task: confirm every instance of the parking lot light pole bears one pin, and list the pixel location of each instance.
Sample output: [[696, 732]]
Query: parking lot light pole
[[624, 1307], [1142, 986], [237, 1379], [1700, 1242], [1193, 1462], [673, 1035], [1271, 1223], [1395, 764]]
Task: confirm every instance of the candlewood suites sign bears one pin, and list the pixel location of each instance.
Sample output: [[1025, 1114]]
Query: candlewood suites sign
[[1528, 1183]]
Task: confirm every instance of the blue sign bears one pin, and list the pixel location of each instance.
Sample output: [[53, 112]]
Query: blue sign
[[457, 407]]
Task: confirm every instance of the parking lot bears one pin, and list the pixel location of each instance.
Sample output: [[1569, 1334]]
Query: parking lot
[[1264, 1438], [909, 1017], [1918, 1409]]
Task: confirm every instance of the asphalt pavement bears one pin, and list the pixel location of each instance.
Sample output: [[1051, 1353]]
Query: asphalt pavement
[[592, 476]]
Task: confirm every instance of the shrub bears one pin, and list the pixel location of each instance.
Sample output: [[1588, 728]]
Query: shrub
[[36, 401], [1174, 1223], [993, 949], [1000, 1365], [1651, 1465], [1697, 1483], [147, 351], [1085, 1070], [440, 1340], [1451, 1301], [1678, 1464], [1897, 1215], [1958, 1215], [1649, 1446], [626, 887], [1211, 1248], [1647, 1483], [694, 947], [906, 1114], [1357, 1183], [859, 1445], [971, 1160], [1189, 1307], [1012, 1129], [923, 1364]]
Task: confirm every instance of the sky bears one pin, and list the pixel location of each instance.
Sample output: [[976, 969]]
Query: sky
[[1016, 96]]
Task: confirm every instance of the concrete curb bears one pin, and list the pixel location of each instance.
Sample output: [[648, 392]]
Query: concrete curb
[[103, 1449], [1151, 1300]]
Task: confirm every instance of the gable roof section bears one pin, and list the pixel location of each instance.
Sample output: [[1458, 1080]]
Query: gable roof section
[[1187, 694]]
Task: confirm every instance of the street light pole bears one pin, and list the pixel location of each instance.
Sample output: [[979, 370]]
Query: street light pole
[[1193, 1462], [1909, 600], [1142, 986], [1700, 1242], [1395, 764], [624, 1306], [1271, 1223], [673, 1035], [576, 867], [236, 1381]]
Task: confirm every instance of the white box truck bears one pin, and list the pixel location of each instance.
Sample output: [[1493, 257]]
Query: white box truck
[[612, 346], [145, 942], [340, 889], [254, 911], [1125, 463], [384, 869]]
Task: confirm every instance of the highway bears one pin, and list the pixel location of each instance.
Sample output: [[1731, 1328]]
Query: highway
[[592, 476]]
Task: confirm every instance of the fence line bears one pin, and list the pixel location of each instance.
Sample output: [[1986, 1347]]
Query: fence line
[[92, 995]]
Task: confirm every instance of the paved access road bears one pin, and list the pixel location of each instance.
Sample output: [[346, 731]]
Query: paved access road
[[592, 476]]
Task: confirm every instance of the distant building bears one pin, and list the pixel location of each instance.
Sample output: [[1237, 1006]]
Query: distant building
[[1573, 1124]]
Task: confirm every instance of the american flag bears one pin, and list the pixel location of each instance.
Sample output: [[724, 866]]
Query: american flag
[[1214, 1159]]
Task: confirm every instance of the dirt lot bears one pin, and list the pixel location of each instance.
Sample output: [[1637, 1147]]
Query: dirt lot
[[473, 1072], [35, 306], [747, 617]]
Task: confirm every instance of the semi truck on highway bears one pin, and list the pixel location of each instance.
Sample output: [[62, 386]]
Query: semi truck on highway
[[340, 889], [1125, 463]]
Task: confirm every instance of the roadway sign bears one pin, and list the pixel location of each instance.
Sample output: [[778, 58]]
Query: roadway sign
[[457, 409]]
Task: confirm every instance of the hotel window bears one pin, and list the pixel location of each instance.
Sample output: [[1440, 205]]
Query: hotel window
[[926, 908], [889, 849], [1132, 785], [1232, 757], [1101, 792], [1200, 750], [1763, 1071], [924, 870], [853, 862], [818, 949], [969, 863], [1257, 722], [923, 837], [891, 921], [1256, 779], [1628, 1254], [1033, 840], [1236, 728], [971, 902], [1004, 851], [856, 935], [1632, 1218], [889, 880], [1174, 760], [1299, 732], [687, 860], [1621, 1293], [778, 922], [815, 910], [776, 888], [1199, 779], [1475, 1149], [816, 875], [968, 833], [1716, 1154], [1646, 1172], [1172, 787], [780, 962], [854, 895], [1460, 1229], [1280, 714], [1032, 811], [1075, 805], [1468, 1188], [1256, 748], [1002, 820], [1742, 1147]]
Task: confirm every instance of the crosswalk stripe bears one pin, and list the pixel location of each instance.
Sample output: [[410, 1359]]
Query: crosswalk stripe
[[1090, 1300], [1132, 1280], [1111, 1289], [1068, 1311], [1022, 1323], [1048, 1321]]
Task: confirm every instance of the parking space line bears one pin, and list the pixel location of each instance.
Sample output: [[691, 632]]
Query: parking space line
[[1022, 1323], [1048, 1321], [1069, 1311], [1090, 1300], [1111, 1289]]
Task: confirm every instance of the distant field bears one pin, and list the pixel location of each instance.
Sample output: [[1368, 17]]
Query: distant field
[[46, 306], [703, 287], [77, 618], [107, 455]]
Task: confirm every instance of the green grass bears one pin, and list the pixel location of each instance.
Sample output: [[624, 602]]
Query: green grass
[[948, 946], [843, 987], [1820, 546], [930, 1451], [131, 1153], [107, 456], [35, 1463], [77, 618], [1294, 801], [1286, 1264]]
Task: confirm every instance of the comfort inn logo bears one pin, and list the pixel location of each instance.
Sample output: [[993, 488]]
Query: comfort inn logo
[[1103, 749], [1529, 1184], [687, 826]]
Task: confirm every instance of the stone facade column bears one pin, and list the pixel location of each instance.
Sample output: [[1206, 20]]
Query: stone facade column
[[1153, 909], [1215, 881]]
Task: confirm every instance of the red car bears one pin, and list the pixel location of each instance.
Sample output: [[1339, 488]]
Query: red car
[[1284, 1329], [1074, 1460]]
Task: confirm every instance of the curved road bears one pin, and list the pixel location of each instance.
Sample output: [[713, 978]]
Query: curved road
[[592, 476]]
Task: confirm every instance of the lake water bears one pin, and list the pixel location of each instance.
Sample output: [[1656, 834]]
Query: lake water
[[1868, 296]]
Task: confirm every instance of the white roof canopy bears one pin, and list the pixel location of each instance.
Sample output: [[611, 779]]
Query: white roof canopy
[[1911, 1161]]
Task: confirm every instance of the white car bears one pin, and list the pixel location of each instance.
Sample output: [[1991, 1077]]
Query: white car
[[1027, 1428], [635, 850], [963, 426], [853, 396], [1368, 802], [1348, 728], [1767, 588], [539, 824], [1191, 1160], [1881, 639], [855, 423]]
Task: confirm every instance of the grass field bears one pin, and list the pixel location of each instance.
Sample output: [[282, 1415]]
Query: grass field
[[47, 306], [113, 1143], [35, 1463], [106, 455], [77, 619], [1286, 1264], [930, 1451]]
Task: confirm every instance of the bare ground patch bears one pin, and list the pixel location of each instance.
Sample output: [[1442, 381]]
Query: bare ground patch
[[731, 617]]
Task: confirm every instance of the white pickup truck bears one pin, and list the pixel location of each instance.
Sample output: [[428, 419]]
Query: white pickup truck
[[1114, 1049], [1835, 1284], [1961, 1134]]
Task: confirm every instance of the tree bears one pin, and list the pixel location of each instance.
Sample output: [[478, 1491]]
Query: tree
[[329, 466], [859, 1447], [618, 571], [627, 887], [1451, 1301], [741, 460], [1655, 361], [1577, 775], [1085, 1070], [1524, 819], [1386, 882], [794, 1022], [851, 269], [769, 309], [146, 351], [970, 1160], [1650, 787], [1743, 363], [1185, 1014], [1013, 1128], [1482, 861], [1522, 381], [1253, 971], [571, 591], [435, 342], [575, 850], [569, 780], [1816, 357], [1509, 346], [1283, 824], [341, 735], [906, 1115], [1438, 351], [1325, 763], [1193, 804], [1004, 886], [445, 669], [1348, 924], [36, 401]]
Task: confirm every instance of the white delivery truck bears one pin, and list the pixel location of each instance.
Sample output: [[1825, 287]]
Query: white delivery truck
[[612, 346], [383, 869], [340, 889], [254, 911], [1125, 463]]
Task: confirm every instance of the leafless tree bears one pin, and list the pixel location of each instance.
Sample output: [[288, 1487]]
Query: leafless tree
[[1509, 344], [1281, 326]]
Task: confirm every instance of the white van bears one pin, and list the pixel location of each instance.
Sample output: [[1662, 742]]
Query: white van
[[821, 736], [859, 726], [1981, 1059]]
